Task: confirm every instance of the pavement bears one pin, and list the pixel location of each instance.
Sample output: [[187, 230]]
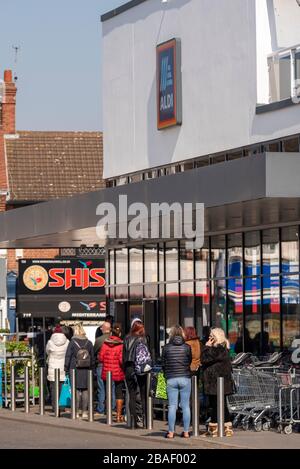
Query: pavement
[[65, 432]]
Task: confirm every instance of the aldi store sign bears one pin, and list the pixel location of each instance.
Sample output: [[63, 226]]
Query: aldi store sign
[[169, 100]]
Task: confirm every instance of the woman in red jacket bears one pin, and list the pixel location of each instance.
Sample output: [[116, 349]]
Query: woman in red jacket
[[110, 356]]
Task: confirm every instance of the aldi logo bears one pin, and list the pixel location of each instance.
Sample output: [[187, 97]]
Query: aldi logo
[[169, 105]]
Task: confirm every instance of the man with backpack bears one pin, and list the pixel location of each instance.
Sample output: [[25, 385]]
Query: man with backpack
[[80, 356]]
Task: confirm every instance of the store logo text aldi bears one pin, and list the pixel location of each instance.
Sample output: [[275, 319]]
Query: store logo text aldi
[[169, 95]]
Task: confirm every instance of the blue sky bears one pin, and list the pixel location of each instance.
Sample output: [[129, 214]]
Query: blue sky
[[59, 62]]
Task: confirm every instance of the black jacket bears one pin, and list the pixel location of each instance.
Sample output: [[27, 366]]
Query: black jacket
[[129, 346], [70, 360], [177, 358], [216, 363]]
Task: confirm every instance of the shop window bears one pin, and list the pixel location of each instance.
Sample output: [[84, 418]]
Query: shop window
[[121, 293], [170, 170], [235, 255], [136, 292], [252, 253], [252, 311], [150, 291], [270, 338], [291, 145], [290, 249], [171, 253], [135, 178], [172, 305], [111, 293], [161, 262], [218, 256], [121, 181], [186, 166], [186, 262], [150, 263], [187, 304], [202, 261], [290, 307], [162, 317], [274, 146], [136, 265], [218, 303], [235, 313], [202, 301], [204, 161], [235, 155], [217, 159], [121, 266], [270, 252], [151, 174]]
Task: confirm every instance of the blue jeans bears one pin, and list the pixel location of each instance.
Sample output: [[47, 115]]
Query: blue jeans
[[176, 386], [101, 392]]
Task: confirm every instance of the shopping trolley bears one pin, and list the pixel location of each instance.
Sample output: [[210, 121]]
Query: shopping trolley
[[255, 400]]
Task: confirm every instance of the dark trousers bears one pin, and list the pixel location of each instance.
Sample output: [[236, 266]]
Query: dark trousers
[[119, 389], [134, 382], [52, 392], [213, 404]]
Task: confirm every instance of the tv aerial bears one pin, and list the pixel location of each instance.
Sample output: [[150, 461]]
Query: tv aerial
[[17, 50]]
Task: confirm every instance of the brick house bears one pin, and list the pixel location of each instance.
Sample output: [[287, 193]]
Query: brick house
[[38, 166]]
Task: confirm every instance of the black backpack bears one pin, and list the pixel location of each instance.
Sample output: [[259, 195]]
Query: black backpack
[[83, 358]]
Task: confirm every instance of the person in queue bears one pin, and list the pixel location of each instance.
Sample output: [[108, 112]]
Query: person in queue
[[56, 349], [134, 381], [110, 357], [192, 339], [215, 360], [105, 334], [176, 362], [80, 356]]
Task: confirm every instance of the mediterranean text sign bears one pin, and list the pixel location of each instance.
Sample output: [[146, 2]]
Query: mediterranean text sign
[[169, 100]]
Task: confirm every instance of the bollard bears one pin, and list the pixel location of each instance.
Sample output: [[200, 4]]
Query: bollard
[[108, 398], [26, 391], [128, 415], [73, 394], [149, 404], [56, 392], [195, 406], [220, 397], [90, 394], [42, 392], [12, 388]]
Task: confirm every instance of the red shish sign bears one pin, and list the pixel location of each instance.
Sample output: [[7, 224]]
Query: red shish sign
[[169, 99]]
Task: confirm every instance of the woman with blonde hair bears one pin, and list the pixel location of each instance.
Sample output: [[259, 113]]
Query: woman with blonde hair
[[80, 356], [216, 363]]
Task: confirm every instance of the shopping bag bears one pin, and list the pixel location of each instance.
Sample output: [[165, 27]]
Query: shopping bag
[[65, 394], [161, 387]]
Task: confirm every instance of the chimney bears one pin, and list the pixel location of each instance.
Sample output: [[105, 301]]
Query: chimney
[[8, 104], [8, 92]]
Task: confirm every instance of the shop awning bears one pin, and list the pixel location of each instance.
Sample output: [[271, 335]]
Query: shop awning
[[260, 190]]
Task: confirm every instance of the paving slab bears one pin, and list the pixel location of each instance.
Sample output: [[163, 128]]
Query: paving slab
[[241, 439]]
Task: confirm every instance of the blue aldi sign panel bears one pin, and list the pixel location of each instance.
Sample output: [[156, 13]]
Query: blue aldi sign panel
[[169, 100]]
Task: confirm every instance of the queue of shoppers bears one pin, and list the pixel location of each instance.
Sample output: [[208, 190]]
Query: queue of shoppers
[[129, 361]]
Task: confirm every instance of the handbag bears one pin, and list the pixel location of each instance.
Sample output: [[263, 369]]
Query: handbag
[[161, 387], [65, 394]]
